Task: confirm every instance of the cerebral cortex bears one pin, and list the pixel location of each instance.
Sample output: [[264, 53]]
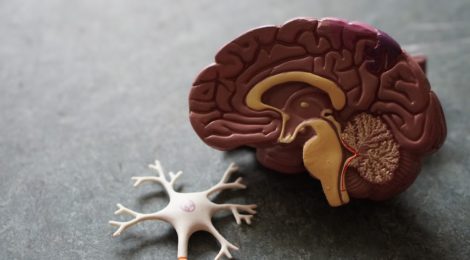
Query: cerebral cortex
[[375, 74]]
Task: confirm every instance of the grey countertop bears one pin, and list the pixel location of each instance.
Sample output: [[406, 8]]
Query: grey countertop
[[93, 91]]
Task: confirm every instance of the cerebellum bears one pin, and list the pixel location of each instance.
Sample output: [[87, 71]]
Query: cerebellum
[[377, 152]]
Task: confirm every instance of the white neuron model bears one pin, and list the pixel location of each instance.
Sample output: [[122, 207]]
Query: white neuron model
[[189, 212]]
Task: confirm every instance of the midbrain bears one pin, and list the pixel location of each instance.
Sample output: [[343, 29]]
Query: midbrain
[[340, 100]]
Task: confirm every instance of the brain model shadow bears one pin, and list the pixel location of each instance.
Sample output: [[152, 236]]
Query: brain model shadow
[[340, 100]]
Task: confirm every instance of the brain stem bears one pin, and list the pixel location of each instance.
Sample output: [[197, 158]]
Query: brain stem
[[323, 155]]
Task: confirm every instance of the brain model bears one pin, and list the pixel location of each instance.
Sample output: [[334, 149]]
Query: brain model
[[340, 100]]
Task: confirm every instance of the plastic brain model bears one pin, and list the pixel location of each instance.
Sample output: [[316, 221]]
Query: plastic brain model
[[340, 100]]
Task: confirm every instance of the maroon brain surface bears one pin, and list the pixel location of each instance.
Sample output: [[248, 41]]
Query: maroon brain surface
[[340, 100]]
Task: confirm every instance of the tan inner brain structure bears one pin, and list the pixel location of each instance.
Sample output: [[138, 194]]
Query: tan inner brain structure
[[382, 85]]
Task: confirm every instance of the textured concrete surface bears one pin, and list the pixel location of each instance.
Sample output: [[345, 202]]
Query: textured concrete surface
[[92, 91]]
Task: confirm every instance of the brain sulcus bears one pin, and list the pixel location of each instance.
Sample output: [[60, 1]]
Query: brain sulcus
[[374, 96]]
